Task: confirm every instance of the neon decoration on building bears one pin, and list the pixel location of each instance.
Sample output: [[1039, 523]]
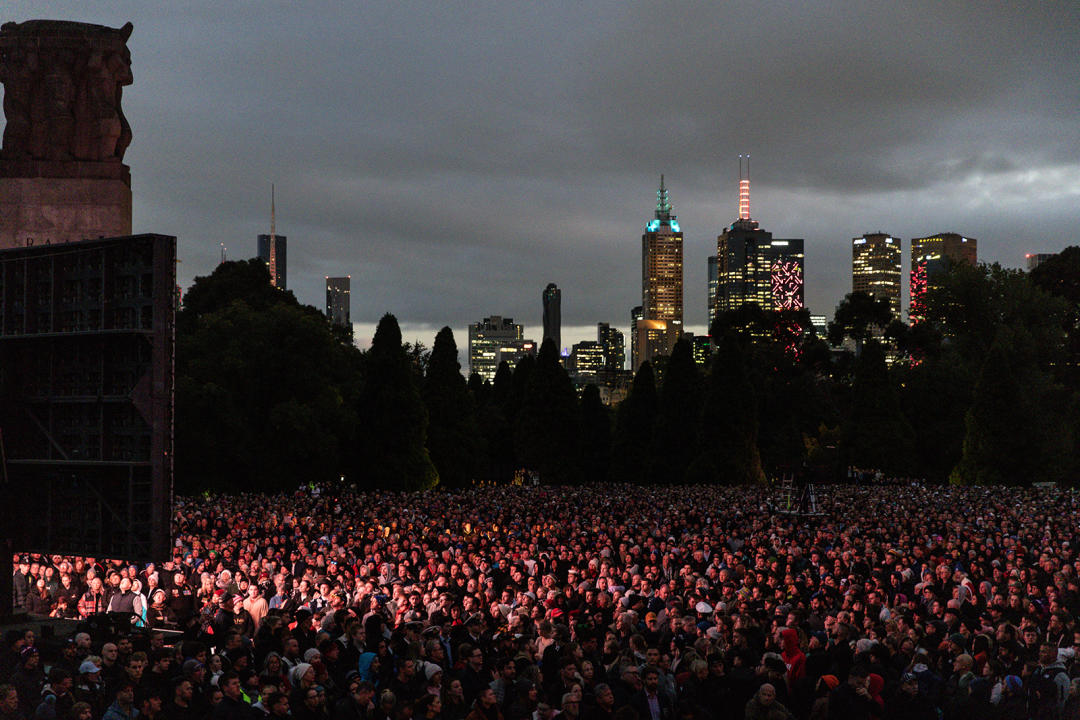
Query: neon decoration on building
[[787, 285], [917, 308]]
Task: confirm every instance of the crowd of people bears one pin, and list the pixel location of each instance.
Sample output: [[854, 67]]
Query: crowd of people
[[607, 602]]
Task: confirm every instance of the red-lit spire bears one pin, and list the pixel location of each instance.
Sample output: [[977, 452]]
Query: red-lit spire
[[744, 188]]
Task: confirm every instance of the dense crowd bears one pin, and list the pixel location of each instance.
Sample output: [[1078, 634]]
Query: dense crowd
[[605, 602]]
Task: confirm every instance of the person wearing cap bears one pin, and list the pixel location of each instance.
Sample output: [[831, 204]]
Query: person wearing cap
[[29, 678], [88, 688]]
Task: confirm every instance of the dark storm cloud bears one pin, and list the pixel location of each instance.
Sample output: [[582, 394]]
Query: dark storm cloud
[[456, 157]]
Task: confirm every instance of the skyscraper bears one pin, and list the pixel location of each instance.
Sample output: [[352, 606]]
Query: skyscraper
[[271, 250], [661, 283], [876, 267], [493, 340], [613, 344], [931, 256], [587, 359], [1034, 260], [552, 299], [711, 300], [753, 267], [338, 300]]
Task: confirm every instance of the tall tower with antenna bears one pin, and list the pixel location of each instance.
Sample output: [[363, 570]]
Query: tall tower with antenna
[[661, 324], [272, 248], [754, 267]]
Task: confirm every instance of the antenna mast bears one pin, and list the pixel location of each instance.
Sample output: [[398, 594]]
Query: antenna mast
[[273, 241], [744, 189]]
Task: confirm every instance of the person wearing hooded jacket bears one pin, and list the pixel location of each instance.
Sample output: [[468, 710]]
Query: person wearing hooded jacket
[[794, 657]]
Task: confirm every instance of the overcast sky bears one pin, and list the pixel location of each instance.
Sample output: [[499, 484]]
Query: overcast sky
[[454, 158]]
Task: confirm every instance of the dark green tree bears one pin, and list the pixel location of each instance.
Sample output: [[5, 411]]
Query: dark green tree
[[859, 316], [675, 435], [934, 396], [632, 444], [393, 448], [546, 432], [1060, 277], [729, 425], [594, 432], [247, 280], [876, 434], [454, 440], [265, 398], [1016, 434]]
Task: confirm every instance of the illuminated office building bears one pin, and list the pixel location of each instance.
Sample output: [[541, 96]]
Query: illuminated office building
[[493, 340], [337, 299], [753, 267], [661, 284], [613, 344], [587, 359], [931, 256], [636, 316], [876, 267], [711, 301]]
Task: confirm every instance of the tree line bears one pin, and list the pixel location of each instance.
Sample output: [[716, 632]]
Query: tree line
[[984, 390]]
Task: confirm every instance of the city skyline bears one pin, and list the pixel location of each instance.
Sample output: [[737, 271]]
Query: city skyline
[[455, 180]]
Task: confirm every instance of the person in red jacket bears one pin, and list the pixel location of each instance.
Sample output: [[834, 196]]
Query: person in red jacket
[[794, 658]]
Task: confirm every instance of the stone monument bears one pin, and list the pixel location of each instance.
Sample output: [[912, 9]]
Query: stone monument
[[62, 176]]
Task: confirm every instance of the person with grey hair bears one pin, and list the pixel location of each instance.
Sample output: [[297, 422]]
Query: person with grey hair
[[570, 708]]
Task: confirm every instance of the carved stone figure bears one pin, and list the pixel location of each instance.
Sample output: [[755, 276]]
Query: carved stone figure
[[62, 87]]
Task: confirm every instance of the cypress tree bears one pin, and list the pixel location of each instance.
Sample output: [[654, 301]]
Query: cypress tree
[[394, 432], [453, 438], [675, 435], [546, 431], [729, 425], [595, 435], [876, 435], [630, 452]]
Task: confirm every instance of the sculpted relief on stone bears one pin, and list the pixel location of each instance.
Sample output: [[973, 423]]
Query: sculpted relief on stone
[[63, 83]]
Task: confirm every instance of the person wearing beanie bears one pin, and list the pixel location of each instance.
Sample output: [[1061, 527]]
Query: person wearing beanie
[[1013, 704], [908, 703], [301, 679], [434, 675]]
